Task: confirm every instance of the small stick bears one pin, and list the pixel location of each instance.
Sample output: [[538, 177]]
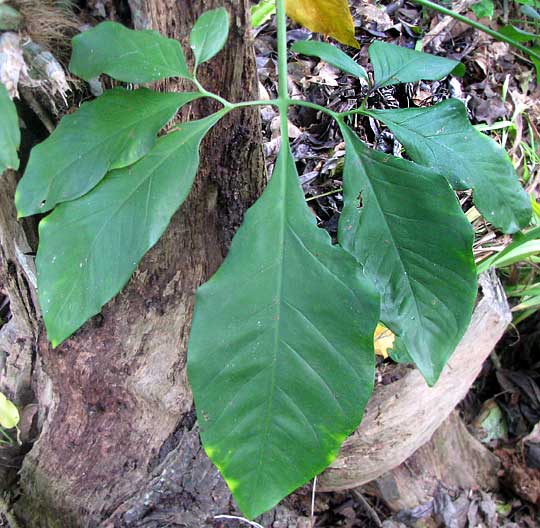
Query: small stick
[[371, 512], [241, 519]]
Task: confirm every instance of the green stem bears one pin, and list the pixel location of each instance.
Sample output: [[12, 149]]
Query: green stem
[[211, 95], [495, 34], [283, 91]]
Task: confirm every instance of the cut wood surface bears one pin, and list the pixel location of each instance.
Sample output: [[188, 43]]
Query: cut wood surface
[[402, 416]]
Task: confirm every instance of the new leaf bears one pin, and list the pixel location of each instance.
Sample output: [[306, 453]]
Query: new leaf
[[110, 132], [209, 34], [406, 227], [281, 358], [442, 138], [90, 247]]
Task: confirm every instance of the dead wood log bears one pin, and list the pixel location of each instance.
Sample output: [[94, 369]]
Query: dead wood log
[[452, 458], [402, 416]]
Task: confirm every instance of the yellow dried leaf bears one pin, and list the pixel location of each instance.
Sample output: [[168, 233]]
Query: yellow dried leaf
[[384, 340], [329, 17]]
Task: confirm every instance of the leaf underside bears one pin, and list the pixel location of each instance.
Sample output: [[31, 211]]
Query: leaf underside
[[89, 247], [406, 227], [10, 135], [442, 138], [109, 132], [126, 55], [280, 358], [395, 64]]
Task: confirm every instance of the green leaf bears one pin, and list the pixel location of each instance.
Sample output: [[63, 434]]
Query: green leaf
[[209, 34], [395, 64], [9, 415], [110, 132], [519, 35], [442, 138], [126, 55], [415, 243], [332, 55], [483, 8], [281, 358], [262, 12], [10, 135], [90, 247]]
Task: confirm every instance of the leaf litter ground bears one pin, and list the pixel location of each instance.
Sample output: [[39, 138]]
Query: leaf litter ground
[[499, 88]]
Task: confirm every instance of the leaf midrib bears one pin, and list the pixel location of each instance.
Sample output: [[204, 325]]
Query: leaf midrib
[[382, 213], [106, 139], [150, 174], [283, 164]]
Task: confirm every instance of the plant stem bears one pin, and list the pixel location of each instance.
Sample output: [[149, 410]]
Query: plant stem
[[495, 34], [283, 91], [211, 95]]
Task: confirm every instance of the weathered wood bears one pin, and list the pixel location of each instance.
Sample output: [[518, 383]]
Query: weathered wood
[[452, 458], [402, 416], [118, 408]]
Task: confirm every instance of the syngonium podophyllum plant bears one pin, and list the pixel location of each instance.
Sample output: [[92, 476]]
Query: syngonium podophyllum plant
[[280, 357]]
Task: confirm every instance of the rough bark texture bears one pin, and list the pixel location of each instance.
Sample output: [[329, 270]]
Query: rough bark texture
[[114, 401], [402, 416]]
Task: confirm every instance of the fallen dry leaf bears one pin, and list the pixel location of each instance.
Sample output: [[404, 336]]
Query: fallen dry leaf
[[384, 340], [329, 17]]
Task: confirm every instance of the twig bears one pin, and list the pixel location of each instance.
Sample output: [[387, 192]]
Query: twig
[[34, 105], [371, 512], [241, 519], [313, 501]]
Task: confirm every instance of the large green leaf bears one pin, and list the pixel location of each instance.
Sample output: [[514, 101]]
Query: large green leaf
[[209, 34], [330, 54], [404, 224], [442, 138], [90, 247], [126, 55], [395, 64], [110, 132], [281, 357], [10, 135]]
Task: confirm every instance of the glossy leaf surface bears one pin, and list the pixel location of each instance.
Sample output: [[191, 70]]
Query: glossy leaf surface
[[396, 64], [442, 138], [280, 358], [330, 54], [209, 34], [90, 247], [329, 17], [415, 243], [126, 55], [110, 132], [10, 135]]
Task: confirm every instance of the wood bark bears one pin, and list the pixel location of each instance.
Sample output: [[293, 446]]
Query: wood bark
[[118, 443]]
